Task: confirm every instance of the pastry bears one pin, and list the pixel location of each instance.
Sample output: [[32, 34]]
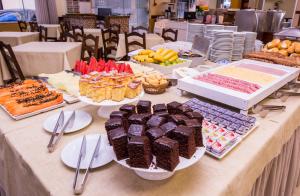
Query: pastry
[[136, 130], [139, 151], [143, 106], [118, 138], [156, 121], [130, 109]]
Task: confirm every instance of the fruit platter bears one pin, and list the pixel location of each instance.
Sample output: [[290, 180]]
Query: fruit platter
[[163, 60], [241, 84]]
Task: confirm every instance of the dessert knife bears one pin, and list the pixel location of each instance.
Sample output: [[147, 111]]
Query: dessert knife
[[81, 156], [95, 155], [59, 124], [69, 124]]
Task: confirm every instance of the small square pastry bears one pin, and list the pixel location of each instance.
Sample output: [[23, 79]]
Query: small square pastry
[[113, 123], [119, 141], [178, 119], [195, 115], [98, 94], [130, 109], [163, 114], [183, 109], [136, 130], [139, 150], [167, 153], [155, 121], [118, 114], [173, 107], [197, 126], [159, 108], [137, 119], [168, 128], [143, 106], [185, 137], [154, 133], [118, 92], [133, 89]]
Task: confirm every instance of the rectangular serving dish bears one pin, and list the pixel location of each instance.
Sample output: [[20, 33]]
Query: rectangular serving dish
[[234, 98], [23, 116]]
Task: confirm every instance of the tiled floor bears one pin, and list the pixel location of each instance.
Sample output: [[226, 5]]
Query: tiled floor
[[297, 192]]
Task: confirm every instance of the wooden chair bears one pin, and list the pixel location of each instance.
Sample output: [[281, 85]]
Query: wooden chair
[[88, 48], [43, 37], [166, 32], [11, 63], [68, 37], [110, 41], [65, 26], [139, 29], [115, 27], [78, 32], [34, 27], [100, 24], [22, 26], [134, 43]]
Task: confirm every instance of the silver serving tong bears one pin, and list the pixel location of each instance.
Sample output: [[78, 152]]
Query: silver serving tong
[[284, 95], [80, 189], [263, 110], [55, 137]]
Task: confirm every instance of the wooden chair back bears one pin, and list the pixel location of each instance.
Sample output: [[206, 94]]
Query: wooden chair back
[[78, 32], [115, 27], [22, 26], [68, 37], [11, 63], [167, 32], [134, 43], [140, 29], [65, 26], [34, 27], [110, 41], [88, 48], [43, 34], [100, 24]]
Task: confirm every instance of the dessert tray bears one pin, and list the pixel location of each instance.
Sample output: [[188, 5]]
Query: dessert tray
[[107, 106], [241, 84], [156, 173]]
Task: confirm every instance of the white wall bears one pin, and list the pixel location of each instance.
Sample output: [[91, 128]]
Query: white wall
[[85, 7], [61, 7]]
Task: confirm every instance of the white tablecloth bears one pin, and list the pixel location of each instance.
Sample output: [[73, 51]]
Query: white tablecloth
[[53, 30], [17, 38]]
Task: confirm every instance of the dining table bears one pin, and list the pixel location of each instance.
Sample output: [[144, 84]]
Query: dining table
[[43, 57], [265, 163], [18, 38], [53, 30]]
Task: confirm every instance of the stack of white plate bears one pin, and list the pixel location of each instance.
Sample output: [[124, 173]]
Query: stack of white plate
[[208, 31], [231, 28], [193, 30], [238, 46], [258, 45], [250, 42], [221, 45]]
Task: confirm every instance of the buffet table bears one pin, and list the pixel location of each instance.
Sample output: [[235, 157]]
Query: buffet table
[[262, 156], [17, 38], [44, 57]]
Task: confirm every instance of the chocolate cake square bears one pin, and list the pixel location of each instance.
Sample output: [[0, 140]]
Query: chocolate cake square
[[139, 150], [113, 123], [167, 156], [155, 121], [168, 128], [195, 115], [183, 109], [154, 133], [130, 109], [178, 119], [119, 142], [137, 119], [143, 106], [185, 137], [122, 115], [163, 114], [147, 116], [173, 107], [136, 130], [159, 108], [197, 126]]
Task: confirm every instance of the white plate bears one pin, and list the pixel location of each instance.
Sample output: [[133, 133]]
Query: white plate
[[135, 52], [156, 173], [82, 120], [69, 154], [110, 102]]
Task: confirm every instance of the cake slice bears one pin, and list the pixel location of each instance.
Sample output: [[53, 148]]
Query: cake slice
[[173, 107], [118, 92], [155, 121], [119, 141], [168, 128], [197, 126], [139, 151], [130, 109], [143, 106], [159, 108], [136, 130], [153, 134], [167, 153], [98, 94]]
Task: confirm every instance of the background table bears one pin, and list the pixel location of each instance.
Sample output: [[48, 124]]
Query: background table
[[44, 57], [17, 38], [151, 40], [251, 166], [53, 30]]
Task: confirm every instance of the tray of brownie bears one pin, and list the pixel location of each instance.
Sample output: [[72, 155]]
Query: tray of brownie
[[155, 141]]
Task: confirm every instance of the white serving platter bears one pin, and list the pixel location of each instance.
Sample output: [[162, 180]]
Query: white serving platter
[[234, 98], [20, 117], [68, 98]]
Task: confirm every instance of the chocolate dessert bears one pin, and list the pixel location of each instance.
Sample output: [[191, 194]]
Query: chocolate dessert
[[137, 119], [143, 106], [195, 115], [173, 107], [154, 133], [178, 119], [197, 126], [185, 137], [119, 142], [155, 121], [163, 114], [168, 128], [139, 151], [122, 115], [167, 156], [113, 124], [130, 109], [136, 130], [183, 109], [159, 108]]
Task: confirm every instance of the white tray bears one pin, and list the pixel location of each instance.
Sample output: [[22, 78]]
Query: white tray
[[233, 98], [19, 117], [68, 98]]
